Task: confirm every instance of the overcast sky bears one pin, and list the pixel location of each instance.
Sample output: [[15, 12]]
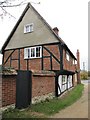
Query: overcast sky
[[70, 16]]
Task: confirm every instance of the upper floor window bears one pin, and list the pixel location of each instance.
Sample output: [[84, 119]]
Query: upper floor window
[[67, 56], [28, 28], [33, 52], [73, 61]]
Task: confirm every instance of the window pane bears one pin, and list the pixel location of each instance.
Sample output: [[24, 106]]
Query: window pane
[[37, 51], [67, 56], [32, 52], [25, 53], [63, 79], [27, 28], [31, 28]]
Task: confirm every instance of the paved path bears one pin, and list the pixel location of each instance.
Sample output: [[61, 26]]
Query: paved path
[[77, 110]]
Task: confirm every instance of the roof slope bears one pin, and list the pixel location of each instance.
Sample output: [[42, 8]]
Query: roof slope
[[11, 41]]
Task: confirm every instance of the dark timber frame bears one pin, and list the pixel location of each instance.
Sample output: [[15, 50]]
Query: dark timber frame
[[62, 72], [50, 56]]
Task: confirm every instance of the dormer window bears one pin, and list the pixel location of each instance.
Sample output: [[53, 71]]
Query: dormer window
[[28, 28]]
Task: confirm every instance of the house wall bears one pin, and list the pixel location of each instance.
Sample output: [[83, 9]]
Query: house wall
[[34, 64], [68, 65], [43, 86]]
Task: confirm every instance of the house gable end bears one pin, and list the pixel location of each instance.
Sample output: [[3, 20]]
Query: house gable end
[[41, 33]]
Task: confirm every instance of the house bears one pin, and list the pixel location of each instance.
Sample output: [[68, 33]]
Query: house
[[34, 46]]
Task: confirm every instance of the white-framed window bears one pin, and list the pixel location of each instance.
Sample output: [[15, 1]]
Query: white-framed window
[[28, 28], [67, 56], [73, 61], [64, 79], [33, 52]]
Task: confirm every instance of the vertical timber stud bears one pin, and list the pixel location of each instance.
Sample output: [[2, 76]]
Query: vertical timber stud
[[18, 59], [27, 64], [72, 81], [42, 59], [2, 58], [10, 60], [56, 86], [51, 61], [61, 56]]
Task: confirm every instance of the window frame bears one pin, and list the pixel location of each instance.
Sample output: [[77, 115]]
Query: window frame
[[64, 79], [67, 56], [29, 52], [30, 29]]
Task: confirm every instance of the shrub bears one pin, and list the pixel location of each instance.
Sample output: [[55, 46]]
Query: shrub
[[84, 75]]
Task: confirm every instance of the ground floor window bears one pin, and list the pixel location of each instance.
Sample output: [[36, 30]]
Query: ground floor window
[[64, 83]]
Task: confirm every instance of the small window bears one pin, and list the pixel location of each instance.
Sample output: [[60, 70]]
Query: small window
[[73, 61], [64, 79], [28, 28], [33, 52], [67, 56]]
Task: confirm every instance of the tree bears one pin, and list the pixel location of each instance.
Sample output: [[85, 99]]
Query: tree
[[4, 4]]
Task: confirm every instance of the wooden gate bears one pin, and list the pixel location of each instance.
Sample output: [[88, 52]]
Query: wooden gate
[[23, 89]]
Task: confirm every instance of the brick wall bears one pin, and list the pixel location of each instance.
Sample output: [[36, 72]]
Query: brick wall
[[42, 84], [8, 89], [68, 65]]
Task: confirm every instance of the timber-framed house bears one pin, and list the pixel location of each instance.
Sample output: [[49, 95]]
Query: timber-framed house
[[33, 45]]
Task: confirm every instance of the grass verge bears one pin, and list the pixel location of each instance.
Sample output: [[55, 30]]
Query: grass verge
[[47, 108]]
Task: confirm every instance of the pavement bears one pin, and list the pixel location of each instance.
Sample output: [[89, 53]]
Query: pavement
[[80, 108]]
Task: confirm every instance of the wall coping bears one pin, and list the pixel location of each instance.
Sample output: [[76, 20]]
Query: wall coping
[[43, 73], [12, 72], [8, 72]]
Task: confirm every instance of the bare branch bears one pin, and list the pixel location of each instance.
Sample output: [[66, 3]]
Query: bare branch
[[7, 12], [11, 3]]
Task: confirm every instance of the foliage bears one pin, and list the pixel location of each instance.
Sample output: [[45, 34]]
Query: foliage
[[88, 73], [49, 107], [84, 75]]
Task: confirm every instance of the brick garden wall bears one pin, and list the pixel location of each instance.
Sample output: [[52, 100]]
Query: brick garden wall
[[42, 84], [8, 89]]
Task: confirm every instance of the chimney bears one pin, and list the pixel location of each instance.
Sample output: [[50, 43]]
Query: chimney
[[78, 67], [56, 30]]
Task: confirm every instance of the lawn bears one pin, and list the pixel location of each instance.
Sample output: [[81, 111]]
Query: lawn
[[47, 108]]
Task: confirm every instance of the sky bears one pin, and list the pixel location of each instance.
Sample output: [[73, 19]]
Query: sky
[[70, 16]]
